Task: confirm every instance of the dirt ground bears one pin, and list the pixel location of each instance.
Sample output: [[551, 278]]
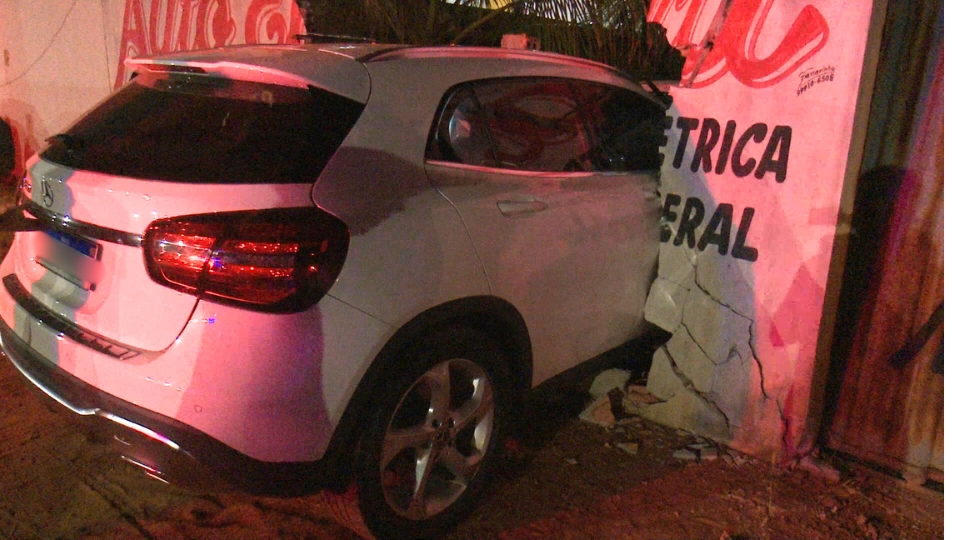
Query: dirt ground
[[565, 479]]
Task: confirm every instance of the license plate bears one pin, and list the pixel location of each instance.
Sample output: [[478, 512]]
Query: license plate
[[85, 247], [71, 257]]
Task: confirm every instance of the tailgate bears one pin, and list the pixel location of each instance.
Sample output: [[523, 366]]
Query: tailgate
[[178, 140], [85, 263]]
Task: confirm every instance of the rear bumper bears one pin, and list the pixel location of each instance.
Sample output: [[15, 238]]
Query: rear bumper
[[163, 447]]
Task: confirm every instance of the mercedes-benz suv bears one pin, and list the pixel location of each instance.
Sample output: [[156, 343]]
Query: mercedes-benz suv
[[291, 265]]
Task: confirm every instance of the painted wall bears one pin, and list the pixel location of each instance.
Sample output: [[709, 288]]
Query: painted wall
[[60, 57], [755, 159]]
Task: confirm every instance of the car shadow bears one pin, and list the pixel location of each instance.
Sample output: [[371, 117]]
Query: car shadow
[[551, 405]]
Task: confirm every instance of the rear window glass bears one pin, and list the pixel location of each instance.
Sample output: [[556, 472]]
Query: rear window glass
[[200, 129]]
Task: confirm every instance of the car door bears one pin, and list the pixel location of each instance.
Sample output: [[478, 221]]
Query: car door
[[565, 229]]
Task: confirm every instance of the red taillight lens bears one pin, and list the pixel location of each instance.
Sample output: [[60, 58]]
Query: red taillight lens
[[280, 260]]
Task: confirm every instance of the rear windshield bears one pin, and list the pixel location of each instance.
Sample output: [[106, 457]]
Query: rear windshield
[[201, 129]]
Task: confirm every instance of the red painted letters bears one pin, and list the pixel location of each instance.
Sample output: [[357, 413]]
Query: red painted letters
[[159, 26], [735, 48]]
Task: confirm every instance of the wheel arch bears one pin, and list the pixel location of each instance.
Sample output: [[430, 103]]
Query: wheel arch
[[489, 314]]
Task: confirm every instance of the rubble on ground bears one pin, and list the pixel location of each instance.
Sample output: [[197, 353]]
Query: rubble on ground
[[618, 405]]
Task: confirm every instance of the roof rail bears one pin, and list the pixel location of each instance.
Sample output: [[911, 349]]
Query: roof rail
[[383, 51]]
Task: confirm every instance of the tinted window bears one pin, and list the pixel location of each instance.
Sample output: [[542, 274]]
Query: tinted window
[[208, 130], [461, 134], [625, 128], [533, 125], [549, 125]]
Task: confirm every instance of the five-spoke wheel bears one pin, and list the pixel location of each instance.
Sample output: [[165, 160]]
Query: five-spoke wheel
[[435, 430]]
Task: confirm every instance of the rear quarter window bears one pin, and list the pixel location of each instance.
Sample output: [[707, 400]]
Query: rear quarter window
[[201, 129]]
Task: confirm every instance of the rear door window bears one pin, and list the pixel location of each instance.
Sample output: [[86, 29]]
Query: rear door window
[[625, 128], [534, 125], [201, 129], [548, 124]]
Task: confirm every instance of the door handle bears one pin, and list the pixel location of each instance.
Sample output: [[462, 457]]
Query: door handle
[[514, 207]]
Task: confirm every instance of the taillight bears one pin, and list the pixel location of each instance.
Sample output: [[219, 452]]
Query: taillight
[[280, 260]]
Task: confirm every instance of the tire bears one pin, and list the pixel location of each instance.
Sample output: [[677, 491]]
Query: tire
[[426, 456]]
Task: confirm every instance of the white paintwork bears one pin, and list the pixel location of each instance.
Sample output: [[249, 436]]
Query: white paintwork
[[235, 375], [577, 266], [127, 305]]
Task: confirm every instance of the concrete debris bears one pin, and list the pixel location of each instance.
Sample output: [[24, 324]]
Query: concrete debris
[[819, 468], [637, 399], [599, 412], [609, 380], [631, 447], [698, 451], [735, 457]]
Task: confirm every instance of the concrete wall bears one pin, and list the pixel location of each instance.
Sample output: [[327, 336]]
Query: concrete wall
[[756, 160]]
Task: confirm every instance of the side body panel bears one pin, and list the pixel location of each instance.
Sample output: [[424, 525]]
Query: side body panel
[[409, 250], [575, 252]]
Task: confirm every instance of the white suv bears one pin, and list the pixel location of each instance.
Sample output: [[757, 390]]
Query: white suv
[[301, 265]]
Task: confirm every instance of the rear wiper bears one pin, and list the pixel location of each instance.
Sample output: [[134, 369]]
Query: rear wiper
[[14, 220]]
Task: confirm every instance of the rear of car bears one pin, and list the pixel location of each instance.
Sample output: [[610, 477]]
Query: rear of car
[[170, 248]]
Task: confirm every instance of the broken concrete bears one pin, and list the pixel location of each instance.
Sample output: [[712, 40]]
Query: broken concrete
[[708, 374], [691, 360], [665, 304], [688, 410], [698, 451], [599, 412], [629, 447], [607, 381], [636, 399], [663, 381]]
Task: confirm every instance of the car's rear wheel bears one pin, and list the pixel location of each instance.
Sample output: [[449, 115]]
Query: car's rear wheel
[[426, 457]]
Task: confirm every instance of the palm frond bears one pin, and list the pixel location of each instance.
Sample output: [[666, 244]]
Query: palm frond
[[615, 32]]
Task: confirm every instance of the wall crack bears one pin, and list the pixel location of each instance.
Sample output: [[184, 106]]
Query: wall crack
[[750, 342], [704, 396]]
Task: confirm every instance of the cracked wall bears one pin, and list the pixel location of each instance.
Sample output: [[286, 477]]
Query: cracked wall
[[755, 157], [709, 365]]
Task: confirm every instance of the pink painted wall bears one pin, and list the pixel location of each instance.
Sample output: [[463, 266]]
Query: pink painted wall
[[754, 167]]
